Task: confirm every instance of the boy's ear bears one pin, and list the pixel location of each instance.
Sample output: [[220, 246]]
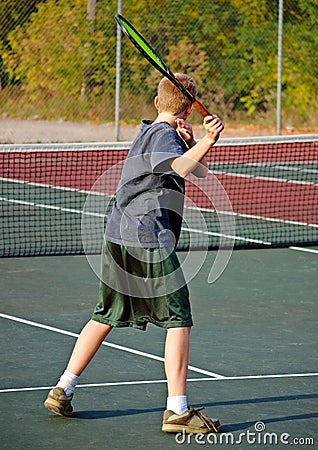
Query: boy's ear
[[156, 102]]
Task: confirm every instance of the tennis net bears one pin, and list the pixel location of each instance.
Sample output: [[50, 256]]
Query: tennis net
[[269, 187]]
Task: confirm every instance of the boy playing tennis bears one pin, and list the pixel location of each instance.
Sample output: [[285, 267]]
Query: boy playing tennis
[[142, 281]]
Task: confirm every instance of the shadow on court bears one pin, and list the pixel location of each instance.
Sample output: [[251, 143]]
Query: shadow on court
[[256, 326]]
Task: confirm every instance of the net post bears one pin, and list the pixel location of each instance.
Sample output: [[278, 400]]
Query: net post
[[118, 76]]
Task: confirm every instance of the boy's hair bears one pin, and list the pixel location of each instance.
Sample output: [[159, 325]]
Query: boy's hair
[[171, 99]]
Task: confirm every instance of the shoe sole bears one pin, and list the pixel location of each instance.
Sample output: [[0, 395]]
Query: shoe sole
[[54, 408], [170, 428]]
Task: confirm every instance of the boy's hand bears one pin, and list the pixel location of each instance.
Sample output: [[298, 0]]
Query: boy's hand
[[185, 131], [213, 127]]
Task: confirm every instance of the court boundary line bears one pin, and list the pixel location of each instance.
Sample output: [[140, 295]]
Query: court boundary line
[[89, 213], [211, 375], [291, 166], [252, 216], [257, 177], [76, 211], [164, 381], [303, 249], [192, 230], [235, 214], [83, 191], [105, 343]]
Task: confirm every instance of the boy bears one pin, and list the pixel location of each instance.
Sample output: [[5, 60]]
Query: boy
[[141, 234]]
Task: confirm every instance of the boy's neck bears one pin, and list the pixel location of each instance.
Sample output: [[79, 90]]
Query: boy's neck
[[166, 117]]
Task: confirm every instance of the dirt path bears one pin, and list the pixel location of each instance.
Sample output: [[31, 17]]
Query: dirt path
[[36, 131], [41, 131]]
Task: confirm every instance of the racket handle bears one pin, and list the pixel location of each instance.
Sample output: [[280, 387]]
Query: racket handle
[[201, 109]]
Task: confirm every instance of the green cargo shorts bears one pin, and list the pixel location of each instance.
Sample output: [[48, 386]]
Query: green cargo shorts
[[140, 286]]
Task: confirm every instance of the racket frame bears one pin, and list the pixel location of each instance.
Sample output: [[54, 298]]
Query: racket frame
[[129, 30]]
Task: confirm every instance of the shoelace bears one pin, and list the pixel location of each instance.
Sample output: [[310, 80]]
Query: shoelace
[[205, 419]]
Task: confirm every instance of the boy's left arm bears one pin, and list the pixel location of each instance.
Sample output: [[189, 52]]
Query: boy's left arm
[[186, 132]]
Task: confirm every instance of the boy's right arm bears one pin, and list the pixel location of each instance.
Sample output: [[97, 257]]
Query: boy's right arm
[[189, 161]]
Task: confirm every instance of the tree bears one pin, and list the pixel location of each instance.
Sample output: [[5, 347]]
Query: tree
[[13, 13], [48, 51], [229, 46]]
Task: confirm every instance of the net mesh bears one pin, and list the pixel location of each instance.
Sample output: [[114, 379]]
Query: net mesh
[[270, 187]]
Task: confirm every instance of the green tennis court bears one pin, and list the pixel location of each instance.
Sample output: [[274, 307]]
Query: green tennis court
[[253, 355], [253, 360]]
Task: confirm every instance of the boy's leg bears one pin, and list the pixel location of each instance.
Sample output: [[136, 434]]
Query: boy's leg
[[178, 417], [177, 359], [176, 367], [87, 344]]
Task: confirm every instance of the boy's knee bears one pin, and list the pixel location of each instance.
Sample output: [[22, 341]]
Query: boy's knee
[[185, 331]]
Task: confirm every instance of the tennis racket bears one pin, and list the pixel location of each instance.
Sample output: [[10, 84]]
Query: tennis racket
[[152, 56]]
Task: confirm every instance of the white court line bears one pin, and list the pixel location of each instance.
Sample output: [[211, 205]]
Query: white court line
[[249, 216], [56, 208], [141, 382], [257, 177], [252, 216], [286, 168], [78, 211], [52, 186], [108, 344], [192, 230], [88, 213], [227, 236], [304, 249], [101, 215], [41, 205]]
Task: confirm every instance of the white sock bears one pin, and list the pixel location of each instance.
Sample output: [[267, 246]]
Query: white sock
[[68, 382], [178, 404]]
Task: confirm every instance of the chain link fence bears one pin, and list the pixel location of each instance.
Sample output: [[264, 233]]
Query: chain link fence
[[58, 58]]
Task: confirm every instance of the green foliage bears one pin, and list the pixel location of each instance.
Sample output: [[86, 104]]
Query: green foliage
[[50, 51], [300, 76], [47, 51], [14, 13]]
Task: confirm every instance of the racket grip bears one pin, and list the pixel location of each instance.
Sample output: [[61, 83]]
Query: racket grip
[[201, 109]]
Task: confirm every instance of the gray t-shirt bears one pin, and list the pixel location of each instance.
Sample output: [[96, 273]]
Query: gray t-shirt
[[148, 207]]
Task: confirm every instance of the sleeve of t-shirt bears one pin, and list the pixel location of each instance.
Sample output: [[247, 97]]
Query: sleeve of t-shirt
[[167, 146]]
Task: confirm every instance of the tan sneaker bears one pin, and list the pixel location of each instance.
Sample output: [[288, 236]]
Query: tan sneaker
[[59, 403], [191, 421]]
